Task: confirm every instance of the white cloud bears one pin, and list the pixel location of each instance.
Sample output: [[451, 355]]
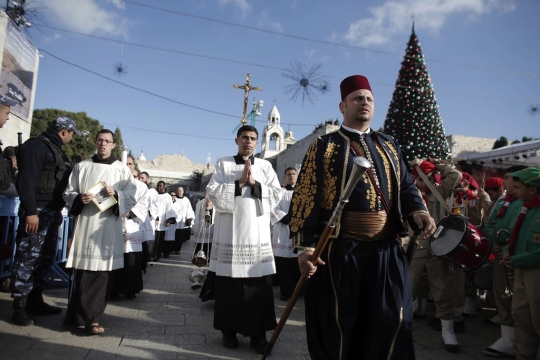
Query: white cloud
[[119, 4], [394, 17], [86, 16], [55, 36], [242, 5], [265, 21]]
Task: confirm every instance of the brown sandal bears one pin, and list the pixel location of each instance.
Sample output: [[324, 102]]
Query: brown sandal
[[94, 329]]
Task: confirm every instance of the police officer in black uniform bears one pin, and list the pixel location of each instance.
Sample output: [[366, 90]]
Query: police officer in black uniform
[[43, 175]]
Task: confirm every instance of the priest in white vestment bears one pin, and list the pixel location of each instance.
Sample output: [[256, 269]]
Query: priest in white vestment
[[288, 272], [98, 243], [243, 190], [128, 280]]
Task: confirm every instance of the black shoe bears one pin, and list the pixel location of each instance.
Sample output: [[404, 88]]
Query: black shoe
[[459, 326], [434, 322], [259, 344], [177, 252], [114, 297], [452, 348], [166, 256], [130, 296], [36, 306], [229, 340], [284, 298], [20, 315]]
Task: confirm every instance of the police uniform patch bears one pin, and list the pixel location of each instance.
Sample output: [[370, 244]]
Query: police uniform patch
[[536, 238]]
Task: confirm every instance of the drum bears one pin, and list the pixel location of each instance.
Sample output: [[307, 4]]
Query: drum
[[482, 277], [465, 246]]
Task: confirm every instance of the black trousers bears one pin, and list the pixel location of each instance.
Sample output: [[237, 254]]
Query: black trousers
[[359, 305], [288, 274], [88, 296], [244, 305], [158, 245], [178, 240], [128, 280]]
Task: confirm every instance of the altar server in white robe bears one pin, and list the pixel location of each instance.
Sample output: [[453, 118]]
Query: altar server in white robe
[[98, 244], [243, 191], [152, 205], [128, 280], [288, 272], [166, 217], [184, 219]]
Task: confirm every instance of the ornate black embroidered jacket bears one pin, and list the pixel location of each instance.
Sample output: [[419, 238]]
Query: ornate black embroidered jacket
[[325, 170]]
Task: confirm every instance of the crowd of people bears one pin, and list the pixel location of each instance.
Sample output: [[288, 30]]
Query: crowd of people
[[368, 284]]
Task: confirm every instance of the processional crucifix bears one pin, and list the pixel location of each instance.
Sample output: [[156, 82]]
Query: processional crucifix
[[247, 88]]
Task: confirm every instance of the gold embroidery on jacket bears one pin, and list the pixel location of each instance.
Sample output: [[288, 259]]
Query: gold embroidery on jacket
[[388, 171], [396, 158], [303, 199], [371, 194], [329, 182]]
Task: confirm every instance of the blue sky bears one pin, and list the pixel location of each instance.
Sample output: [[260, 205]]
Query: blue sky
[[482, 56]]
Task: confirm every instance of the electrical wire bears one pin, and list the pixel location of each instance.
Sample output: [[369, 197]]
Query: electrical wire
[[259, 65], [303, 38]]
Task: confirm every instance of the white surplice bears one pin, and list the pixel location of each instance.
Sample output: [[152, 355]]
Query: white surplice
[[140, 223], [242, 246], [164, 204], [153, 208], [282, 245], [184, 211], [98, 243]]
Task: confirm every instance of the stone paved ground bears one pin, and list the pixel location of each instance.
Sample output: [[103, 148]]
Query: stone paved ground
[[167, 321]]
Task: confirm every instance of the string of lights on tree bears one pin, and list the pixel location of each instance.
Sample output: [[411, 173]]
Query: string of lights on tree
[[413, 117]]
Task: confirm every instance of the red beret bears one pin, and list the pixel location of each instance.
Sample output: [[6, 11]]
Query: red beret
[[473, 184], [353, 83], [493, 183], [426, 168]]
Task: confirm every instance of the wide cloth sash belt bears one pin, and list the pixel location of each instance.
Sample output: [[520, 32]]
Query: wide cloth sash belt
[[366, 226]]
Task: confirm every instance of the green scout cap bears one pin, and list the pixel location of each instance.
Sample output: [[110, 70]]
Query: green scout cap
[[529, 176]]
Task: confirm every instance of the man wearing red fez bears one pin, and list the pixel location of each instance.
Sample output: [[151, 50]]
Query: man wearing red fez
[[443, 281], [523, 254], [358, 297], [499, 226]]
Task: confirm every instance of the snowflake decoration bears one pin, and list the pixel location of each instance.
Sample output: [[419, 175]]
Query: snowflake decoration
[[305, 82], [533, 109], [120, 69]]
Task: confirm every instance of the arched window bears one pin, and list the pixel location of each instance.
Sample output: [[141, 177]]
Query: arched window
[[274, 142]]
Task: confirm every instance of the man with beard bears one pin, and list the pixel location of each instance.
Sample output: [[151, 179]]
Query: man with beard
[[359, 305], [98, 242]]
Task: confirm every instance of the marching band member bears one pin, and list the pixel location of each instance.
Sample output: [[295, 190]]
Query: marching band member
[[501, 220], [523, 254], [443, 281]]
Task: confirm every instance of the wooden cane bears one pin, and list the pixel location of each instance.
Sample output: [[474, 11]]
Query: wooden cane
[[360, 166]]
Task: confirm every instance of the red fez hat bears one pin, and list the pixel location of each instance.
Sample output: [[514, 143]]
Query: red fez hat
[[473, 184], [353, 83], [426, 167], [494, 183]]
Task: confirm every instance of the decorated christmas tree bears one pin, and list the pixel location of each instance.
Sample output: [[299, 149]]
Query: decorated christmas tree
[[413, 118]]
